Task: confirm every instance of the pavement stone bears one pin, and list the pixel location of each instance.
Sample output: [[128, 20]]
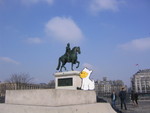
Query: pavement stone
[[143, 107]]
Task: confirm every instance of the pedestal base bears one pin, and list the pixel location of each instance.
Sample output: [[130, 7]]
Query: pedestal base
[[53, 101], [67, 80], [84, 108], [50, 97]]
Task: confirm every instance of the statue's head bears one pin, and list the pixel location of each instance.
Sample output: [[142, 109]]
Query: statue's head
[[68, 44]]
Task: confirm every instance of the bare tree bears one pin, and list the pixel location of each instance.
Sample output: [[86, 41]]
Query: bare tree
[[2, 93], [51, 84], [2, 89], [20, 78]]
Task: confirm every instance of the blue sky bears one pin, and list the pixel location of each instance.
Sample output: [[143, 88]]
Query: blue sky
[[113, 35]]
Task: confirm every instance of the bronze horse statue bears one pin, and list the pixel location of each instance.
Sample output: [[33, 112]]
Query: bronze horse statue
[[69, 57]]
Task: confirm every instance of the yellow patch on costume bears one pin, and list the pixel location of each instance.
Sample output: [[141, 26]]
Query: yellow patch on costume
[[83, 74]]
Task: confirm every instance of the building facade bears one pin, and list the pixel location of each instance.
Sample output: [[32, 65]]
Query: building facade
[[141, 81], [107, 86]]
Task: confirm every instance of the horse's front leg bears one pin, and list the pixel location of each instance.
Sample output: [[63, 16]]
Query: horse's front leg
[[72, 66], [78, 64]]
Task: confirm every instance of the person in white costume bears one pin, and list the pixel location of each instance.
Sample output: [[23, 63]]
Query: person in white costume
[[87, 84]]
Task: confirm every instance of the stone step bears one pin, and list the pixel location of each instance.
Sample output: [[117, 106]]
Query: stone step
[[83, 108]]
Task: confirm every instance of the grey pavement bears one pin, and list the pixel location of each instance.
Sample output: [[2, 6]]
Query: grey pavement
[[143, 107]]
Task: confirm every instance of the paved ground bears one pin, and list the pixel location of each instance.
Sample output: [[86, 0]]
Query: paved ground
[[143, 107]]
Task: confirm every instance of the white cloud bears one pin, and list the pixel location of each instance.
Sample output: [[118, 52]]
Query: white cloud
[[64, 29], [8, 60], [101, 5], [35, 40], [88, 65], [28, 2], [141, 44], [49, 1]]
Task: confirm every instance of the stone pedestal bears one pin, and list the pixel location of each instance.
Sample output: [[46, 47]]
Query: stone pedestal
[[50, 97], [67, 80], [53, 101], [59, 100]]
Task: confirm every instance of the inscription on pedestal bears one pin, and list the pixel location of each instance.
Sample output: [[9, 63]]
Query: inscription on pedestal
[[65, 82]]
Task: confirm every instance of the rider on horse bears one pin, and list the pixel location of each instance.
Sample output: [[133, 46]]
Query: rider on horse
[[68, 52], [70, 56]]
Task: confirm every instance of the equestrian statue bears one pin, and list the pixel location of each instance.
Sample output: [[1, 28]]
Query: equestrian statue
[[70, 56]]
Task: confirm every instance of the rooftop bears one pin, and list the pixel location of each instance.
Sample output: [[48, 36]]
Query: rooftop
[[143, 71]]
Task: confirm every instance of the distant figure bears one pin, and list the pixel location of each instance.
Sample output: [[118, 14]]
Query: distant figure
[[136, 98], [133, 97], [113, 99], [122, 95]]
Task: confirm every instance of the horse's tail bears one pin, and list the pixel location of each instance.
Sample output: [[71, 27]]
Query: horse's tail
[[58, 64]]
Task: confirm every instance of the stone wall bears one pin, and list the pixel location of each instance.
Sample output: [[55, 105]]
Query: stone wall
[[50, 97]]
